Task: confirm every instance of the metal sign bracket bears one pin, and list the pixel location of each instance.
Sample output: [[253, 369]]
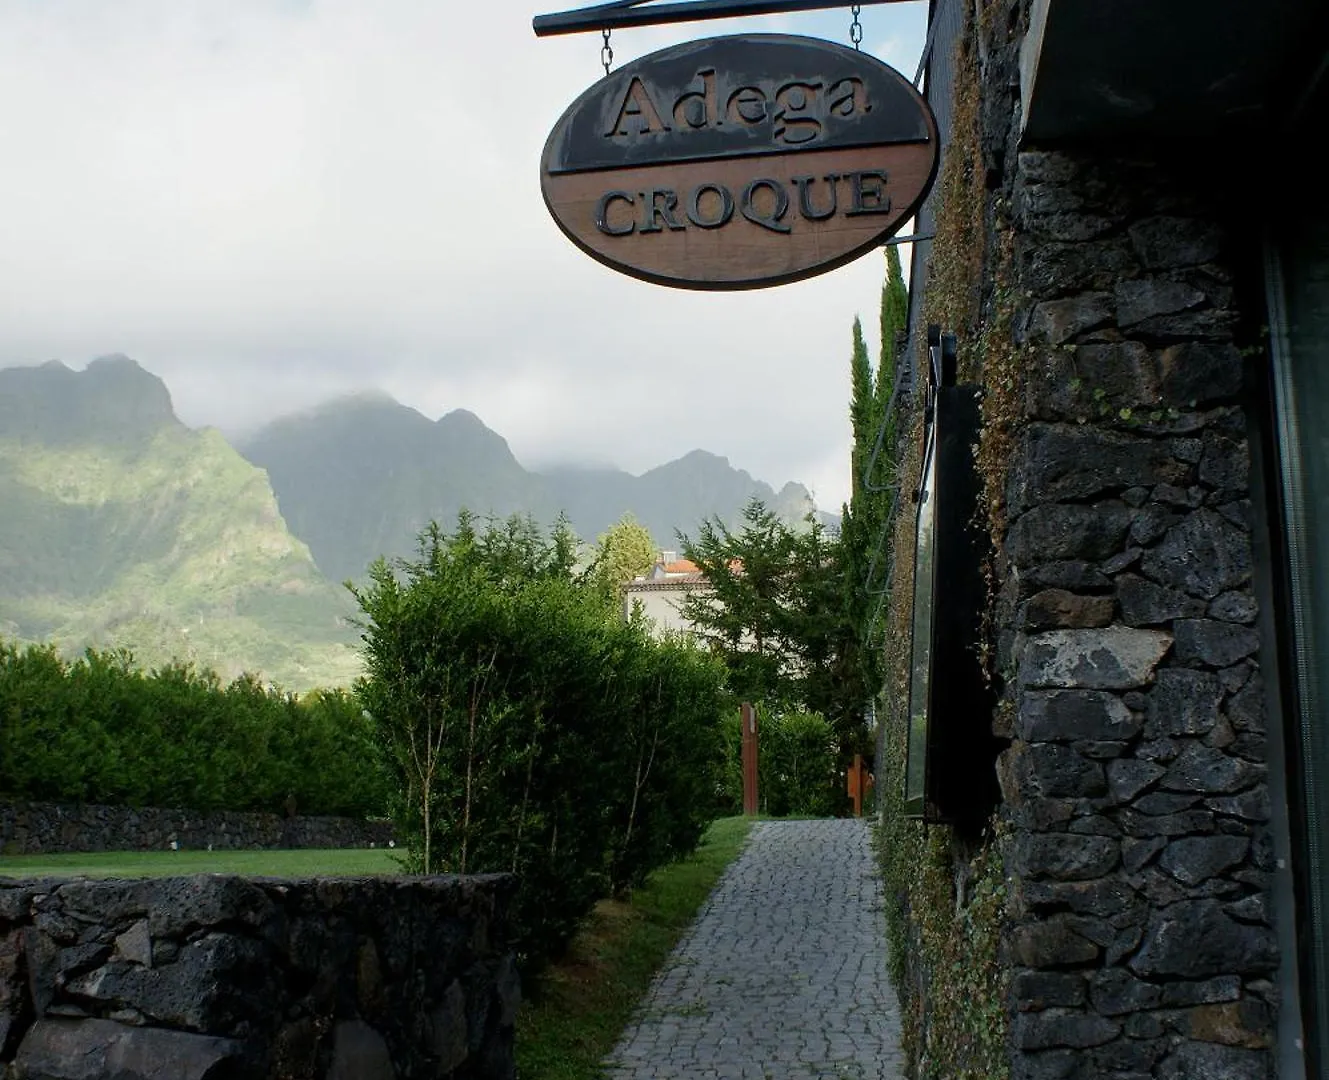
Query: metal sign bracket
[[618, 14]]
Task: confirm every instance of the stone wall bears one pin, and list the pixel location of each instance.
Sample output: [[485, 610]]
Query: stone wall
[[1135, 788], [30, 828], [220, 977]]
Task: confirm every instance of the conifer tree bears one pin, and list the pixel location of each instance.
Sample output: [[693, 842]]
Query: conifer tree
[[894, 319], [864, 520], [856, 524], [862, 407]]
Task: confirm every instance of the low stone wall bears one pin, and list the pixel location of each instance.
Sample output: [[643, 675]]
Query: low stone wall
[[223, 978], [34, 828]]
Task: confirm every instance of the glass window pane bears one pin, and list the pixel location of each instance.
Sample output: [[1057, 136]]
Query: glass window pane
[[921, 666], [1302, 383]]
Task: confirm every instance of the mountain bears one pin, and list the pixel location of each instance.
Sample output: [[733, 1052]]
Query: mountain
[[358, 478], [669, 498], [122, 527]]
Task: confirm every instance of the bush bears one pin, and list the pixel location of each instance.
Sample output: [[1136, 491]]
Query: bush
[[796, 766], [100, 730], [529, 728]]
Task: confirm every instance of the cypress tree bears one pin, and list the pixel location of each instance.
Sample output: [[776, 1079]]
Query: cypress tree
[[894, 318], [857, 530], [862, 407]]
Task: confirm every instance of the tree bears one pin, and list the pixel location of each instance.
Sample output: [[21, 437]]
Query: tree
[[774, 615], [860, 523], [744, 615], [894, 319], [531, 730], [872, 460], [862, 408], [624, 552]]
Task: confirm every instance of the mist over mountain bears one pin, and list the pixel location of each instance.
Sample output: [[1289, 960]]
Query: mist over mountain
[[120, 527], [670, 497], [113, 401], [360, 477]]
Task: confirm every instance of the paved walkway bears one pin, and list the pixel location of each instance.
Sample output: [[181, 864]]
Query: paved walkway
[[783, 975]]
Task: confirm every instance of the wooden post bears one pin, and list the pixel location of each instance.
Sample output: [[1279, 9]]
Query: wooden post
[[749, 717], [856, 784]]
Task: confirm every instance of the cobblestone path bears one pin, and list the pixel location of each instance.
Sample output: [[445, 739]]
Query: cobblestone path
[[783, 975]]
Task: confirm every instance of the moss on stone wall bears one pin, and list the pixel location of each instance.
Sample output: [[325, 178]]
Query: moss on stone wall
[[946, 896]]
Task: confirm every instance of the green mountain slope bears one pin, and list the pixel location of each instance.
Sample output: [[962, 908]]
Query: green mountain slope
[[360, 477], [120, 527]]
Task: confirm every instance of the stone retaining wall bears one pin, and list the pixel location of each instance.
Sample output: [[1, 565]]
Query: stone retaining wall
[[225, 978], [32, 828]]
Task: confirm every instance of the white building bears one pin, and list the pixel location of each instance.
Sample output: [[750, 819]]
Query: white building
[[662, 591]]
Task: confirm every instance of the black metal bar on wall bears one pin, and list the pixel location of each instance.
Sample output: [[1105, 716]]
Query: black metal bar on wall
[[627, 13]]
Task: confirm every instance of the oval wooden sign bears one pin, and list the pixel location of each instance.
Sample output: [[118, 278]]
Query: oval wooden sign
[[740, 162]]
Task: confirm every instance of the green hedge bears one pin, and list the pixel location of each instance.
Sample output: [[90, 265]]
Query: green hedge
[[100, 730], [530, 728], [797, 772]]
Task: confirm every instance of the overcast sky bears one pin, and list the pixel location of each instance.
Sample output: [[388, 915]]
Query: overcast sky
[[272, 203]]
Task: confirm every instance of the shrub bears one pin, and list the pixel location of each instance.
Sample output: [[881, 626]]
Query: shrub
[[529, 728], [101, 730], [797, 773]]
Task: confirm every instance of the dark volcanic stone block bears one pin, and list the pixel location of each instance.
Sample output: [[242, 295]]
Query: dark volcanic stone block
[[1054, 771], [1067, 715], [93, 1049], [1166, 242], [1210, 770], [1128, 777], [1058, 608], [1065, 532], [1195, 939], [1062, 1027], [1052, 943], [1058, 321], [1066, 857], [1195, 373], [1204, 554], [1183, 702], [1057, 462], [1194, 859], [215, 983], [1113, 658], [1212, 1061], [1143, 298], [1068, 574], [1115, 991], [1213, 642], [1035, 990], [1235, 607], [1146, 603]]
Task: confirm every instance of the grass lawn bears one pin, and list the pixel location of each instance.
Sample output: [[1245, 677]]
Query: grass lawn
[[574, 1017], [305, 863]]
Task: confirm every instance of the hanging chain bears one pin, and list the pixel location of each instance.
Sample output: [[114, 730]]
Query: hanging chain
[[606, 52], [856, 27]]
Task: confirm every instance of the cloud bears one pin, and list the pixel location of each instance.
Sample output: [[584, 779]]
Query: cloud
[[273, 203]]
